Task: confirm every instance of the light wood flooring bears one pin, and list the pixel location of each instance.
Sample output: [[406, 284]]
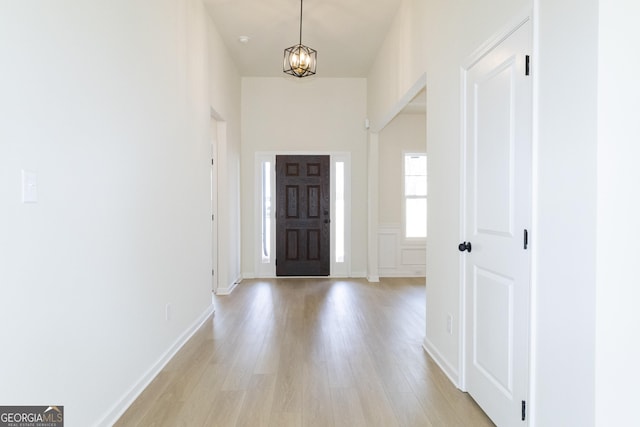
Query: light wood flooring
[[308, 352]]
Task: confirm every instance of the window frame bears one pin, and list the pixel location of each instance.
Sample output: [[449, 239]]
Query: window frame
[[405, 198]]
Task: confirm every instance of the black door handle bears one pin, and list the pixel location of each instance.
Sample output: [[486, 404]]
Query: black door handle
[[327, 221], [464, 246]]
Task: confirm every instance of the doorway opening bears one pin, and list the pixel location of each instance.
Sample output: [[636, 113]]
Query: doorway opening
[[398, 162]]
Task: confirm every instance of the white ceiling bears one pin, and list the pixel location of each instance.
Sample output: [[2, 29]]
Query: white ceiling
[[346, 33]]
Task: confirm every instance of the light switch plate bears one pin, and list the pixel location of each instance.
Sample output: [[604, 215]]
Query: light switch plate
[[29, 187]]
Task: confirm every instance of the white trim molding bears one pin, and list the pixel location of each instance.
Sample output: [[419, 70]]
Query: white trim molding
[[396, 256], [229, 288]]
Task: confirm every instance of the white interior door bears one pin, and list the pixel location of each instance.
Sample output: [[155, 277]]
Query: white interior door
[[498, 108]]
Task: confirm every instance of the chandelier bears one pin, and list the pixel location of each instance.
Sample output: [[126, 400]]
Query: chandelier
[[300, 60]]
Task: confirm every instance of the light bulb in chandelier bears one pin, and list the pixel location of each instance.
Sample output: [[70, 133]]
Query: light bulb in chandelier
[[299, 61]]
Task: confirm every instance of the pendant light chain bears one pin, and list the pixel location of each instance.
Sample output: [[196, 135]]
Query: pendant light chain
[[300, 22]]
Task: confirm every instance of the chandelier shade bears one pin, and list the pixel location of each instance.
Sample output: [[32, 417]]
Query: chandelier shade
[[300, 60]]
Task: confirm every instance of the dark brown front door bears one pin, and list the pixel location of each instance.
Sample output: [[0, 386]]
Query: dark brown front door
[[302, 216]]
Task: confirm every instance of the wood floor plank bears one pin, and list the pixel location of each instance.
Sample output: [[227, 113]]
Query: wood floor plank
[[373, 398], [225, 408], [242, 366], [286, 419], [258, 401], [347, 408], [308, 352], [408, 410], [269, 357], [316, 395], [437, 407], [198, 404], [339, 372]]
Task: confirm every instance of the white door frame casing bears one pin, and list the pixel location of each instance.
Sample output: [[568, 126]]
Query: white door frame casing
[[268, 269], [470, 61], [224, 280], [214, 203]]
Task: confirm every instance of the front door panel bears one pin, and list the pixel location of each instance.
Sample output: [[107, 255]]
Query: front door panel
[[302, 216]]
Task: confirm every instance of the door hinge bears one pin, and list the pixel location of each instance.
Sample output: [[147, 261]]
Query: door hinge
[[211, 162], [212, 272], [527, 65], [276, 262], [526, 239], [524, 410], [212, 217]]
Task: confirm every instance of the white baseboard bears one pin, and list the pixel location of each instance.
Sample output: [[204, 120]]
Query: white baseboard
[[226, 291], [229, 288], [450, 371], [402, 274], [123, 404], [373, 279], [356, 275]]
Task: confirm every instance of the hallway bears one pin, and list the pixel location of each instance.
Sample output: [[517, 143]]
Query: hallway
[[308, 352]]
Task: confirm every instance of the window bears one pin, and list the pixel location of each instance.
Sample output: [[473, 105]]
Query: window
[[415, 195], [339, 216], [266, 212]]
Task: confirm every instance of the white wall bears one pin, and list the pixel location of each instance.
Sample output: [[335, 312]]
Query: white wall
[[400, 63], [107, 103], [564, 237], [330, 114], [617, 290]]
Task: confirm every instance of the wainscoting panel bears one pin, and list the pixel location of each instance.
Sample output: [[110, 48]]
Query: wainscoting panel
[[396, 258]]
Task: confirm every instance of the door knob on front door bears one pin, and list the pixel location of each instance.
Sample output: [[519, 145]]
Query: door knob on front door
[[464, 246]]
